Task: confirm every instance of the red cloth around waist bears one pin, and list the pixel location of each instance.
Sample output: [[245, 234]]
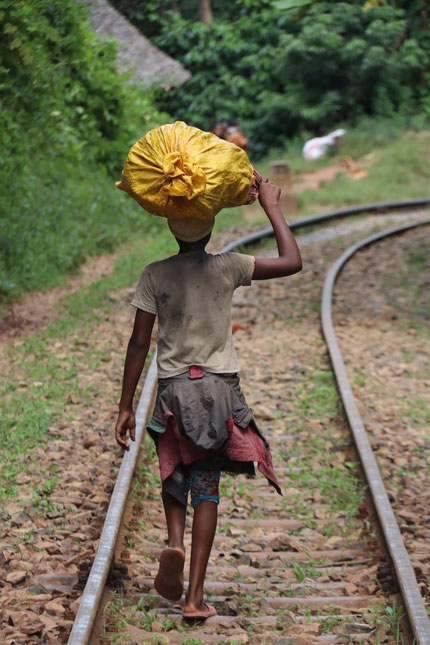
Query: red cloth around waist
[[241, 445]]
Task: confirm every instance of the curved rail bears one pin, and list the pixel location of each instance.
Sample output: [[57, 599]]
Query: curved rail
[[405, 574], [377, 207], [90, 599]]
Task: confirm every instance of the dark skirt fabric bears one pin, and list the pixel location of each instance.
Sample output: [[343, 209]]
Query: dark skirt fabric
[[201, 420]]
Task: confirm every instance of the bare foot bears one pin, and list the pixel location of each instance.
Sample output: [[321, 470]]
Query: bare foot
[[191, 612], [169, 582]]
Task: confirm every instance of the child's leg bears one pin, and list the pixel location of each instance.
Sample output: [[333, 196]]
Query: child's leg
[[204, 499], [175, 517], [170, 577]]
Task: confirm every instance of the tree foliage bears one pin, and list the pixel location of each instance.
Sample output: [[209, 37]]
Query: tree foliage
[[60, 83], [67, 120], [280, 74], [152, 16]]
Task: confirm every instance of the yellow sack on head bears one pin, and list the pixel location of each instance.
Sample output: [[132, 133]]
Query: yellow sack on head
[[178, 171]]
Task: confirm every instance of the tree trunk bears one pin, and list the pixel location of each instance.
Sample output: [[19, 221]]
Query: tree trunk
[[205, 11]]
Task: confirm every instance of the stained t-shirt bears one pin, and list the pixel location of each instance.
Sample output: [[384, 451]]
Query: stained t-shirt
[[191, 293]]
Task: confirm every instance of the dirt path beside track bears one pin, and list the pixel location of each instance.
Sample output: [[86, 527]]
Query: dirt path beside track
[[39, 308]]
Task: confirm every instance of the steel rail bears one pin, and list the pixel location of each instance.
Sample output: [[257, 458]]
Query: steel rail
[[91, 596], [90, 599], [377, 207], [400, 558]]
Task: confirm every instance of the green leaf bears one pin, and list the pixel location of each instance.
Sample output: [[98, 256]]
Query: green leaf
[[9, 28], [16, 42], [292, 4]]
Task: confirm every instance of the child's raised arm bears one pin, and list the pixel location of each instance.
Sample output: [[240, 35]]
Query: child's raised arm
[[289, 260], [137, 351]]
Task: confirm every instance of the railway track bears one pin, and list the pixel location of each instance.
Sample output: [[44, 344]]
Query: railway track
[[283, 568]]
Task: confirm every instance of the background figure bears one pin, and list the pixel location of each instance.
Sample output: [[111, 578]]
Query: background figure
[[317, 147], [234, 134], [218, 128]]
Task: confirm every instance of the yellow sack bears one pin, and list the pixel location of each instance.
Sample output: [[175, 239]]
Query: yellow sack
[[178, 172]]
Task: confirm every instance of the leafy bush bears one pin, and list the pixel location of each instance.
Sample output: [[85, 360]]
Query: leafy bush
[[62, 84], [339, 62], [67, 119]]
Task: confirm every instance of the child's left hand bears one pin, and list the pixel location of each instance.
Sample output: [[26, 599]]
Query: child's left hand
[[126, 422]]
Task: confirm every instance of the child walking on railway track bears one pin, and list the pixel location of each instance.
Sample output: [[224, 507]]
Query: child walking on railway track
[[201, 423]]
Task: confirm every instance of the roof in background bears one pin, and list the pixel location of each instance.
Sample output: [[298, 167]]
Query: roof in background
[[136, 53]]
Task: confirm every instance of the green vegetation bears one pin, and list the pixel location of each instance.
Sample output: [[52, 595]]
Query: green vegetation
[[111, 609], [341, 489], [67, 120], [229, 488], [316, 469], [407, 287], [283, 72], [55, 219], [304, 571], [389, 618], [322, 398], [190, 640], [400, 170], [419, 410], [327, 625], [145, 621], [249, 605]]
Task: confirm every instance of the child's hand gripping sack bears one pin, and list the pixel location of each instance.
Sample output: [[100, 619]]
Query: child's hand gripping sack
[[180, 172]]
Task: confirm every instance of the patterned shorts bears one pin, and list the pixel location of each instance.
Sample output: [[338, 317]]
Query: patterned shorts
[[204, 485]]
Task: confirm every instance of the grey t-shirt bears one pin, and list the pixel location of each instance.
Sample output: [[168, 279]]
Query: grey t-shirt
[[191, 294]]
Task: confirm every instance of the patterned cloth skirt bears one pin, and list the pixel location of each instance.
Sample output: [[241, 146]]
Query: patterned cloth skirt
[[201, 420]]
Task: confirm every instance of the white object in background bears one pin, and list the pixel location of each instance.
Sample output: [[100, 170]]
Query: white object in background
[[317, 147]]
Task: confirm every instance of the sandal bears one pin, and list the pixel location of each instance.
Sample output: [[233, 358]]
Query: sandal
[[201, 614], [169, 582]]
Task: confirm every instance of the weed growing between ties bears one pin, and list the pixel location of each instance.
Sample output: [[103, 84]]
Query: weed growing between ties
[[386, 621], [304, 571], [120, 612], [328, 624], [406, 288], [319, 398], [316, 466], [111, 609]]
